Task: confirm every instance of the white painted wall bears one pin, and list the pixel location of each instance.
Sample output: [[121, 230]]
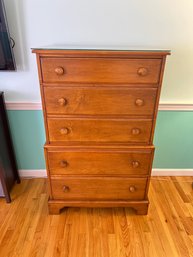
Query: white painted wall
[[139, 23]]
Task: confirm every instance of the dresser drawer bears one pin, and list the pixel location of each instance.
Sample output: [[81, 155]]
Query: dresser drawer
[[99, 100], [109, 162], [100, 162], [99, 130], [100, 70], [98, 188]]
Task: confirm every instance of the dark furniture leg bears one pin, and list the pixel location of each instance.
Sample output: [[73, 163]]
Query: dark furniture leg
[[8, 166]]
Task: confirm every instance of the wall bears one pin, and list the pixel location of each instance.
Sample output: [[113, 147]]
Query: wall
[[150, 23], [105, 23], [173, 139]]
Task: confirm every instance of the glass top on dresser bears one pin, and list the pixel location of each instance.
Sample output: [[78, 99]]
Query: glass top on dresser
[[103, 48]]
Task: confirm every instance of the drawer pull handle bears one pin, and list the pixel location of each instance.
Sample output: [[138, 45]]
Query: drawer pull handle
[[59, 71], [135, 164], [66, 189], [63, 163], [64, 131], [132, 189], [135, 131], [139, 102], [142, 71], [62, 101]]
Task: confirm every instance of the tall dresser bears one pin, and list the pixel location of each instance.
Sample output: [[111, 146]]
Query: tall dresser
[[100, 109]]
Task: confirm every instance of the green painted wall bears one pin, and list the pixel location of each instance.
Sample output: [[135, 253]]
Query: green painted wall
[[28, 136], [173, 139]]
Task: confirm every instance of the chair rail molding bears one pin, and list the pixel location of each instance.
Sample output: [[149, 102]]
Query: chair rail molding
[[38, 106]]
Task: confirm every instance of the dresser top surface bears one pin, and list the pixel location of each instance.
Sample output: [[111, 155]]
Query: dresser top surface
[[106, 49]]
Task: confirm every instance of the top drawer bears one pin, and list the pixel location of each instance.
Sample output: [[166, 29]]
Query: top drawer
[[100, 70]]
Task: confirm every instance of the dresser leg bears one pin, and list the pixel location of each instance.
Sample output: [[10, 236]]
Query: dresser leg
[[142, 209], [53, 209]]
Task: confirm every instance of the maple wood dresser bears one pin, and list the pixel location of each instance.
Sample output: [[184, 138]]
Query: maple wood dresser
[[100, 109]]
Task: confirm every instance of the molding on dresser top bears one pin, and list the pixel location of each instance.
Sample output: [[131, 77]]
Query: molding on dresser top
[[155, 172], [38, 106]]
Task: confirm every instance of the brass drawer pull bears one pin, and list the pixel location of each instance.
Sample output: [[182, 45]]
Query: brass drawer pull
[[62, 101], [139, 102], [59, 71], [66, 189], [132, 189], [64, 131], [142, 71], [135, 131], [135, 164], [64, 163]]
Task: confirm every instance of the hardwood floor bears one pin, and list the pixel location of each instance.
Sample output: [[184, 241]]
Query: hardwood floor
[[26, 229]]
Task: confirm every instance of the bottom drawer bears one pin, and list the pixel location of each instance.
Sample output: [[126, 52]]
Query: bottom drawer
[[98, 188]]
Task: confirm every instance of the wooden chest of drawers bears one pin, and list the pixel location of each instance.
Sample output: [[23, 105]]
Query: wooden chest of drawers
[[100, 109]]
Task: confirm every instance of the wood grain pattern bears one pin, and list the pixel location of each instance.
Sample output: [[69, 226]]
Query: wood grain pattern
[[98, 188], [27, 230], [98, 100], [158, 95], [70, 161], [100, 70], [99, 130]]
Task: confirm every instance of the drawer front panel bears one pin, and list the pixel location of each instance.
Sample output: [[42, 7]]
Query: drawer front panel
[[100, 70], [92, 101], [99, 130], [136, 162], [101, 188]]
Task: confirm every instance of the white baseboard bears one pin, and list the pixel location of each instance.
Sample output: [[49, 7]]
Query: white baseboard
[[172, 172], [155, 172], [1, 190], [32, 173]]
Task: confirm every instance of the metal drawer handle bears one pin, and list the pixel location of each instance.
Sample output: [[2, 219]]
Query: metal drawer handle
[[59, 71], [132, 189]]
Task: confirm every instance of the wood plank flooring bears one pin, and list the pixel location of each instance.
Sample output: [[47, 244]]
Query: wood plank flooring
[[26, 229]]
